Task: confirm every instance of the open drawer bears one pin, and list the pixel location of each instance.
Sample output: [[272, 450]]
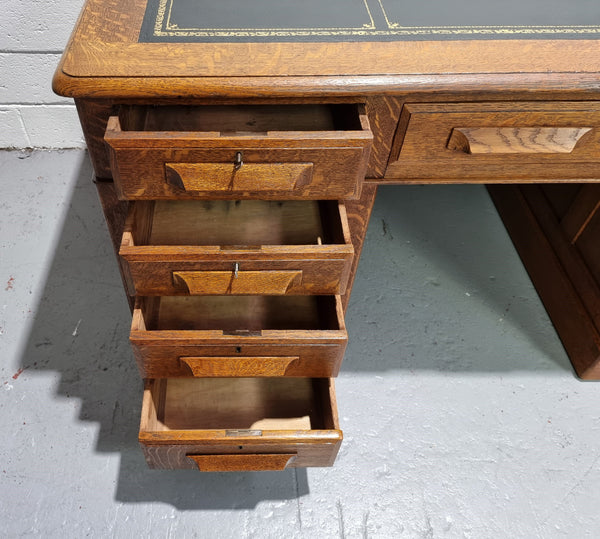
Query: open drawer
[[237, 336], [254, 151], [237, 247], [243, 424]]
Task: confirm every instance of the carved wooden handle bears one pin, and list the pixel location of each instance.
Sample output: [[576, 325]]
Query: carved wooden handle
[[255, 177], [523, 140], [228, 282], [243, 463], [238, 366]]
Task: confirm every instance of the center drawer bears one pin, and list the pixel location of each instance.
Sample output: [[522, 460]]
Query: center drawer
[[244, 424], [248, 151], [496, 142], [237, 336], [237, 247]]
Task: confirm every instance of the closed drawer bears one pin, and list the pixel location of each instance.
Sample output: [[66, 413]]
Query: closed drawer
[[291, 151], [237, 336], [242, 424], [497, 142], [237, 247]]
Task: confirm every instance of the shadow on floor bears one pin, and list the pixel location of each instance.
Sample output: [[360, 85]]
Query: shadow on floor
[[81, 331], [440, 286]]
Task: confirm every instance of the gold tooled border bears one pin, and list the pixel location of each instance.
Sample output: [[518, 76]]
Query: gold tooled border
[[398, 29], [163, 27]]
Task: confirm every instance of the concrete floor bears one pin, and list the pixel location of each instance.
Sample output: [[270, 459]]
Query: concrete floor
[[462, 416]]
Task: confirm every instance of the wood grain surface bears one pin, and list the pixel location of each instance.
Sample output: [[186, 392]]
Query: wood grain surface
[[582, 210], [560, 274], [215, 178], [267, 282], [193, 247], [238, 365], [509, 140], [103, 59], [312, 328], [242, 401], [243, 463], [427, 112], [563, 142], [312, 151], [359, 213], [126, 59]]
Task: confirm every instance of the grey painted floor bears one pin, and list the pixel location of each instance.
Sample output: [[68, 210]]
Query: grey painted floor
[[462, 416]]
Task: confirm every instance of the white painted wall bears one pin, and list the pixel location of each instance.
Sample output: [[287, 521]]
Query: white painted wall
[[33, 34]]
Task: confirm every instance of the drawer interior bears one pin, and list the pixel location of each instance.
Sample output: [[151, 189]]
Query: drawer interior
[[240, 314], [236, 223], [239, 403], [240, 119]]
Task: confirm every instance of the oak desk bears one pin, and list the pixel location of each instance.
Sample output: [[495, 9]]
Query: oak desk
[[238, 148]]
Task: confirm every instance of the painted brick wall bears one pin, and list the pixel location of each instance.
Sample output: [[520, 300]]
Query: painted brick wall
[[33, 34]]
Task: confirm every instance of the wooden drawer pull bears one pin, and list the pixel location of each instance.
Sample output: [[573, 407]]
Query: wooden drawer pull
[[228, 282], [242, 463], [521, 140], [238, 366], [255, 177]]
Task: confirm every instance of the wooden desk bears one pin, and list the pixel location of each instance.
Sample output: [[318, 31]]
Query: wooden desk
[[238, 161]]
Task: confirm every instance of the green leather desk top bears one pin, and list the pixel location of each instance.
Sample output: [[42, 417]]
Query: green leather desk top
[[366, 20]]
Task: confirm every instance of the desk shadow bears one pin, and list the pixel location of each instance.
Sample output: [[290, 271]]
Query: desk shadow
[[428, 246], [192, 490], [81, 330], [82, 323]]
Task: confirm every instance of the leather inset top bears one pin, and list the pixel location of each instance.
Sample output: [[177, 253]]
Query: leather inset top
[[366, 20]]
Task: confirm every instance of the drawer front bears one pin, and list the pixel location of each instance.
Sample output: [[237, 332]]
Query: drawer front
[[265, 275], [326, 159], [497, 142], [239, 359], [238, 336], [157, 267], [239, 425]]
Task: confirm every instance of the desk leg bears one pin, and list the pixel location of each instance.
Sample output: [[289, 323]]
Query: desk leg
[[563, 265], [359, 213]]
